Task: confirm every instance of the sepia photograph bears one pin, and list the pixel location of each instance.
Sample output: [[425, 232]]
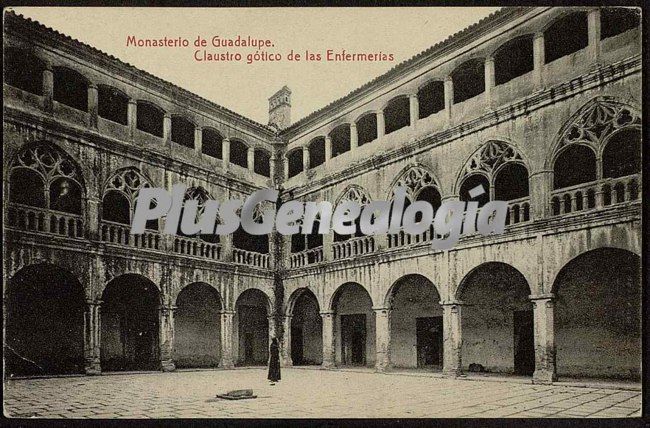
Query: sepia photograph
[[298, 213]]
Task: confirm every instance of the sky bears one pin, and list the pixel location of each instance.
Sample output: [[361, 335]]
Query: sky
[[245, 88]]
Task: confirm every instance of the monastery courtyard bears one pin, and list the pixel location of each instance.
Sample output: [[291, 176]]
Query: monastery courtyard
[[313, 393]]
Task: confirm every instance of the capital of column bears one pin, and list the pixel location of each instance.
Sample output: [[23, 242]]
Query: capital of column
[[382, 309], [92, 85], [326, 314], [455, 302], [132, 101], [227, 312], [546, 296], [94, 302]]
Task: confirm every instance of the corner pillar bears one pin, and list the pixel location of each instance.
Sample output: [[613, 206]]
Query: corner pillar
[[286, 342], [452, 338], [227, 318], [329, 355], [92, 339], [166, 336], [544, 331], [382, 332]]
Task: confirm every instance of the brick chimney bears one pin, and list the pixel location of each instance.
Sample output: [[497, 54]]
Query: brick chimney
[[280, 108]]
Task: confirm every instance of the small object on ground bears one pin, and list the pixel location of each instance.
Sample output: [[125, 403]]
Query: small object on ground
[[238, 394], [476, 368]]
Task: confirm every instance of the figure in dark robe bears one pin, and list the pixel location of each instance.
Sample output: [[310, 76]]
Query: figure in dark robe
[[274, 362]]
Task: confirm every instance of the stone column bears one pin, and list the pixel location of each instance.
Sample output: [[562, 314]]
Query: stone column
[[227, 318], [414, 109], [452, 338], [305, 159], [382, 332], [48, 88], [593, 25], [538, 60], [198, 139], [328, 241], [93, 104], [329, 354], [92, 218], [132, 116], [541, 185], [328, 149], [250, 158], [543, 313], [381, 124], [225, 146], [489, 81], [272, 162], [167, 128], [166, 337], [285, 166], [92, 340], [449, 99], [286, 342], [226, 247], [354, 136]]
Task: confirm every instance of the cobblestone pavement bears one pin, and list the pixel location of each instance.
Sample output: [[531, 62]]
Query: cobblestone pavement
[[305, 394]]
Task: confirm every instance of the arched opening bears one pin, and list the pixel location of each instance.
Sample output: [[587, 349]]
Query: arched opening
[[150, 119], [565, 173], [262, 164], [316, 152], [239, 153], [511, 182], [197, 325], [27, 187], [513, 59], [252, 326], [211, 143], [468, 80], [397, 114], [116, 207], [294, 158], [120, 196], [65, 195], [245, 241], [45, 322], [497, 321], [182, 131], [565, 36], [366, 129], [416, 324], [23, 70], [340, 139], [622, 154], [431, 98], [130, 322], [618, 20], [354, 328], [70, 88], [472, 181], [112, 104], [598, 315], [306, 330]]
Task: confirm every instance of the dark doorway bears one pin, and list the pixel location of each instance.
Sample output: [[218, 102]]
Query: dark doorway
[[353, 339], [524, 343], [297, 356], [254, 328], [428, 341]]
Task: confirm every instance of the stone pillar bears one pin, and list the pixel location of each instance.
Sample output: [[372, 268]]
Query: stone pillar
[[92, 339], [328, 149], [414, 109], [226, 247], [543, 313], [166, 337], [382, 332], [250, 158], [449, 99], [541, 185], [93, 104], [329, 354], [198, 139], [286, 342], [92, 217], [285, 166], [489, 81], [132, 116], [381, 125], [538, 60], [227, 318], [328, 241], [593, 23], [167, 128], [452, 338], [272, 162], [354, 136], [225, 145], [305, 159], [48, 88]]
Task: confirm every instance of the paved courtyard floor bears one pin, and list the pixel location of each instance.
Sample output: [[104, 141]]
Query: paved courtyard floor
[[306, 393]]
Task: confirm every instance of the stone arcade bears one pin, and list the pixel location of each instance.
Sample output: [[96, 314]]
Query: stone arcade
[[542, 107]]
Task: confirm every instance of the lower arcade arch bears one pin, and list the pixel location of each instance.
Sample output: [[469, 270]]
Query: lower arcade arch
[[597, 318], [415, 323], [497, 321], [306, 329], [354, 326], [197, 325], [251, 328], [44, 322], [130, 324]]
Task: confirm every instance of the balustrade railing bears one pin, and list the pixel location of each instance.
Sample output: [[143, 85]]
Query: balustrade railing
[[307, 257], [117, 233], [44, 220], [353, 247], [192, 246], [403, 239], [596, 194], [250, 258], [518, 211]]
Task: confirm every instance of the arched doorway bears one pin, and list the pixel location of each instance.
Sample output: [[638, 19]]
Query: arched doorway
[[354, 328], [45, 322], [252, 327], [197, 325], [415, 323], [306, 330], [130, 324], [598, 315], [497, 320]]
